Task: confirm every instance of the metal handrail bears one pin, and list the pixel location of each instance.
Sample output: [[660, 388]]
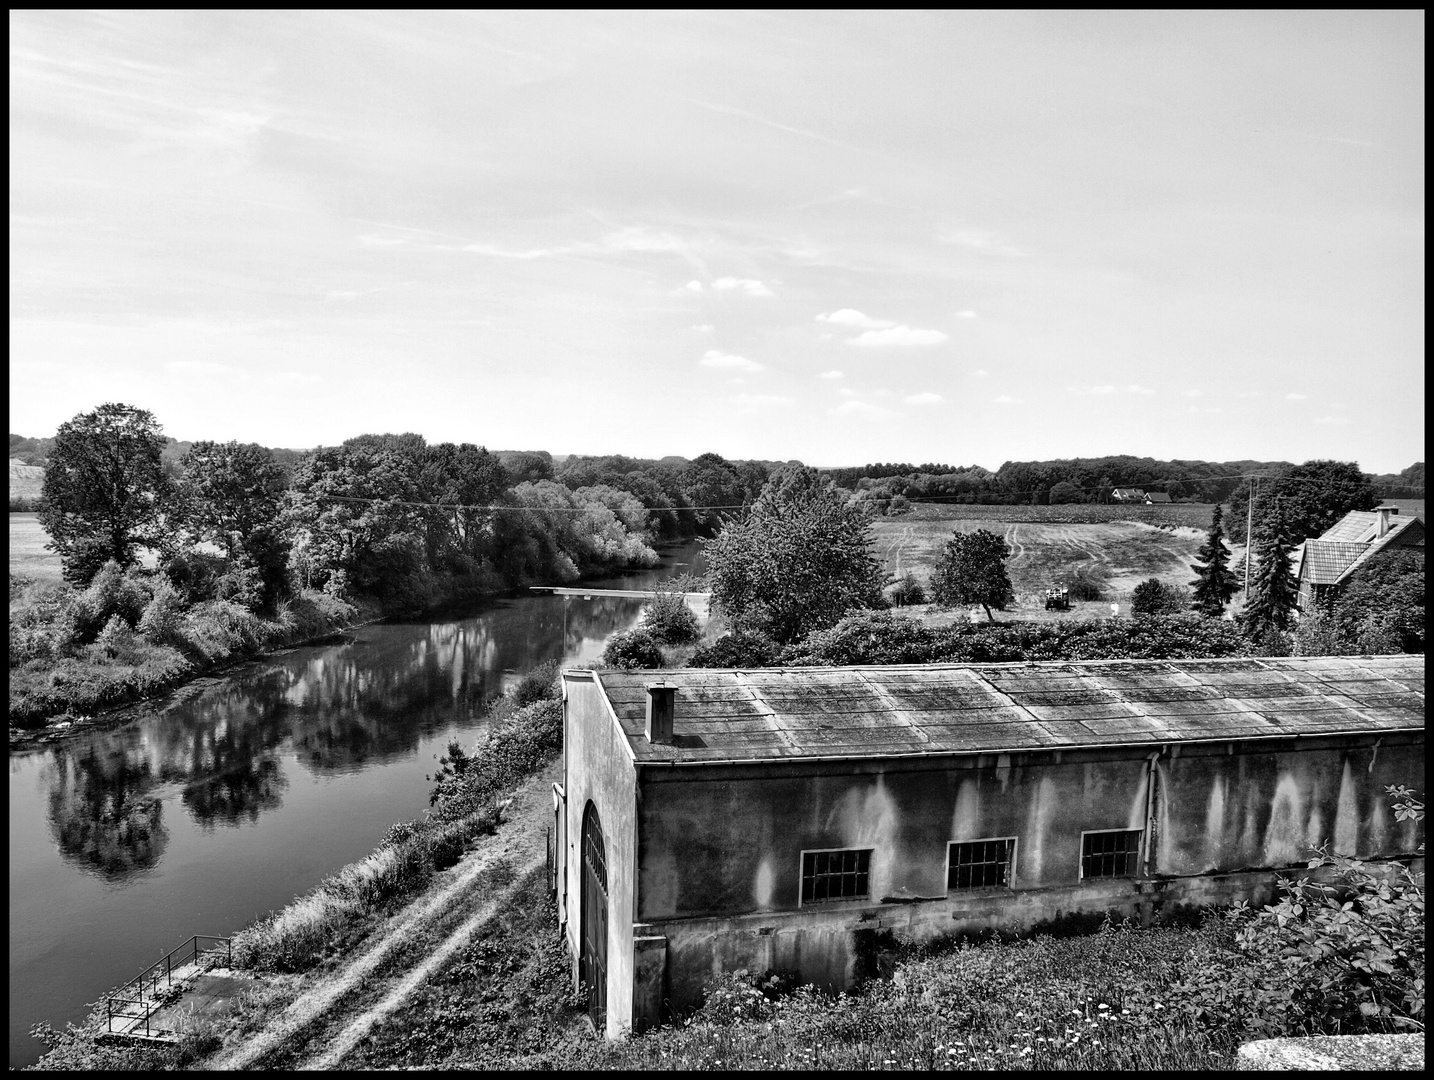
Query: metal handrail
[[162, 969]]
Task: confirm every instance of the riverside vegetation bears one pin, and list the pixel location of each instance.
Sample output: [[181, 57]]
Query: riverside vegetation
[[1342, 952]]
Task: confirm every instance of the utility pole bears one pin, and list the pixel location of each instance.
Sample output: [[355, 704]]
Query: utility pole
[[1249, 540]]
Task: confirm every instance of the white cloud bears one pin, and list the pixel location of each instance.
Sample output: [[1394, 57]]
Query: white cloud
[[1331, 420], [852, 317], [714, 358], [847, 391], [1199, 409], [1192, 393], [965, 314], [1101, 391], [1006, 399], [198, 367], [1136, 388], [750, 286], [1296, 397], [925, 398], [980, 373], [831, 375], [702, 328], [693, 286], [759, 401], [898, 335], [295, 378], [1253, 394], [860, 408], [981, 241]]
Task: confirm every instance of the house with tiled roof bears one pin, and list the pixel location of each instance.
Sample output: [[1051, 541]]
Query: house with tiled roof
[[1324, 565], [1128, 494], [803, 818], [1153, 498]]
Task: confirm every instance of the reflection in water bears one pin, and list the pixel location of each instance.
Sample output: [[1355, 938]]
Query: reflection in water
[[100, 815], [195, 807], [371, 699]]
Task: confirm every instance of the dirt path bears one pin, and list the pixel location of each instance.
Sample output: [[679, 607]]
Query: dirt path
[[340, 1007]]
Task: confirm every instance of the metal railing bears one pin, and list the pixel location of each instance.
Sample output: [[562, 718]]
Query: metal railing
[[144, 995]]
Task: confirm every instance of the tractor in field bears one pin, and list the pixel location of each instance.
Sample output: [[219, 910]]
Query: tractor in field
[[1058, 598]]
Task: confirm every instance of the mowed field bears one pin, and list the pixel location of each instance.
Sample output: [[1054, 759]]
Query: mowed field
[[1119, 554], [28, 555]]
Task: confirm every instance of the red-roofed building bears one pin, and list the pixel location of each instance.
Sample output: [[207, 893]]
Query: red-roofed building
[[1324, 565]]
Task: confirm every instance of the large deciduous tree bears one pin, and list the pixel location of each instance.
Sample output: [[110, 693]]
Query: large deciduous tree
[[233, 495], [972, 570], [799, 562], [1302, 501], [105, 491], [1214, 582]]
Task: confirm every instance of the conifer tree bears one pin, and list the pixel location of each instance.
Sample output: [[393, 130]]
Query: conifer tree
[[1273, 588], [1214, 582]]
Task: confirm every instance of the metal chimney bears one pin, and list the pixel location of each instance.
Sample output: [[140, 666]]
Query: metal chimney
[[1385, 513], [661, 703]]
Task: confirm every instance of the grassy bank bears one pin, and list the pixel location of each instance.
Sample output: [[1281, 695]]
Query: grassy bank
[[73, 653]]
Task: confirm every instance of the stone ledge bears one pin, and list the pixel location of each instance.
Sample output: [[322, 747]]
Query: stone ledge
[[1326, 1052]]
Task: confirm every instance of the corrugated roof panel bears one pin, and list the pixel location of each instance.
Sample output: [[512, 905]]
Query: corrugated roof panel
[[790, 713]]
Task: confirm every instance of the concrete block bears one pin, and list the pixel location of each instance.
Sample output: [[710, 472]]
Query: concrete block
[[1333, 1053]]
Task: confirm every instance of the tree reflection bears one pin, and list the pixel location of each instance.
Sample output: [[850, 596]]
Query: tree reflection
[[101, 815]]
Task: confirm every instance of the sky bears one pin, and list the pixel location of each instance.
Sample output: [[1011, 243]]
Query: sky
[[840, 237]]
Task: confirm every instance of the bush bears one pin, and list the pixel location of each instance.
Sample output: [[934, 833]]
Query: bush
[[540, 684], [907, 591], [737, 649], [1084, 585], [670, 621], [633, 649], [195, 574], [111, 592], [163, 618], [1154, 597]]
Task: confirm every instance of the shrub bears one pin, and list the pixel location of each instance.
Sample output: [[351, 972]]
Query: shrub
[[1154, 597], [737, 649], [111, 592], [540, 684], [907, 591], [1084, 585], [163, 618], [633, 649], [670, 621], [195, 574]]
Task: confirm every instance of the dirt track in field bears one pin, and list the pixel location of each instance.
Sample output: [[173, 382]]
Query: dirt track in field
[[339, 1007], [1121, 554]]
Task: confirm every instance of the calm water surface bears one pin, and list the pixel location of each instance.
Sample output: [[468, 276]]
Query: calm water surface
[[226, 800]]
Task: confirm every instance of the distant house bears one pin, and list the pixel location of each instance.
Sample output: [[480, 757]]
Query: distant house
[[1154, 497], [1128, 495], [797, 817], [1324, 565]]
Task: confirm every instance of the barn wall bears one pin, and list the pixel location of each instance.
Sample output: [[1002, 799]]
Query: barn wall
[[720, 846], [598, 767]]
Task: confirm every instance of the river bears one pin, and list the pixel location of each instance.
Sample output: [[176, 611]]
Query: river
[[227, 799]]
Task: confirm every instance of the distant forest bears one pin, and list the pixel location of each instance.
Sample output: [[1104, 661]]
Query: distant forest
[[1015, 482]]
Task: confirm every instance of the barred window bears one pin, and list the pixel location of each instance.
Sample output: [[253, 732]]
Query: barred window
[[835, 875], [980, 864], [1110, 854]]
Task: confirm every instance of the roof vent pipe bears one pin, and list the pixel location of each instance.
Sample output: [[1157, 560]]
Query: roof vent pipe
[[1385, 513], [661, 702]]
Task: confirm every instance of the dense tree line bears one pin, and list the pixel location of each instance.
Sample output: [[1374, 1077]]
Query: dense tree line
[[387, 517]]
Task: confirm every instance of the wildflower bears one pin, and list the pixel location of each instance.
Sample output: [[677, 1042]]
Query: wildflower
[[1159, 1006], [1124, 1012], [1102, 1005]]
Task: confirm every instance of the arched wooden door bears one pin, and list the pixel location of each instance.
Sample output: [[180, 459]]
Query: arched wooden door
[[594, 930]]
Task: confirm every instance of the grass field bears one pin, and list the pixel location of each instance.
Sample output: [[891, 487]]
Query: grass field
[[1119, 554], [28, 556]]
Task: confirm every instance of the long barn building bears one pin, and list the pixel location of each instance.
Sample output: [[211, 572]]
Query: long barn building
[[712, 820]]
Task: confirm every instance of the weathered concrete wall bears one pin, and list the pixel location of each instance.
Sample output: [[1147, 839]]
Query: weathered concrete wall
[[727, 840], [823, 944], [607, 778], [1222, 811]]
